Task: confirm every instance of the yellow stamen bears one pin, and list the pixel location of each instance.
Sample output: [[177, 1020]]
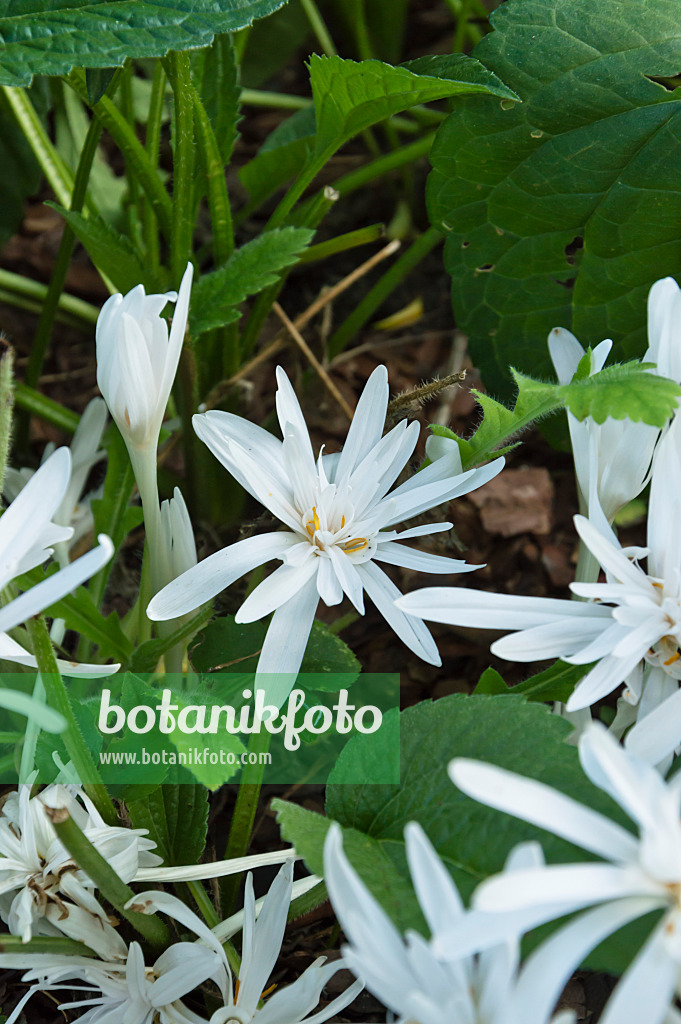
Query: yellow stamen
[[237, 986], [342, 522], [658, 585], [674, 657], [356, 544], [313, 524], [268, 990]]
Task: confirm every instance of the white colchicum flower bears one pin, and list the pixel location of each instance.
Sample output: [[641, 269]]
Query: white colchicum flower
[[630, 621], [137, 358], [127, 991], [262, 939], [338, 514], [75, 510], [28, 536], [613, 459], [442, 980], [178, 535], [640, 873], [40, 886]]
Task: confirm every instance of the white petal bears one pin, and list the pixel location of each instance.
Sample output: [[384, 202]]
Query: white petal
[[289, 412], [601, 680], [384, 594], [566, 354], [367, 423], [35, 600], [282, 585], [553, 640], [543, 806], [646, 990], [578, 885], [460, 607], [658, 734], [284, 647], [206, 579], [422, 561]]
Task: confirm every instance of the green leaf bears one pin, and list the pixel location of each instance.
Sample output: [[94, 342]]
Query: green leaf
[[562, 210], [254, 266], [85, 714], [351, 96], [472, 840], [176, 816], [554, 683], [623, 391], [50, 37], [491, 682], [273, 42], [112, 253], [79, 612], [146, 655]]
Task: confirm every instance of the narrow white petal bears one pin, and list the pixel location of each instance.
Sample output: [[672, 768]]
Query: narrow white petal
[[613, 559], [207, 578], [411, 632], [289, 412], [422, 561], [646, 991], [566, 354], [578, 885], [282, 585], [35, 600], [553, 640], [367, 423], [601, 680], [543, 806], [457, 606], [658, 734], [285, 643]]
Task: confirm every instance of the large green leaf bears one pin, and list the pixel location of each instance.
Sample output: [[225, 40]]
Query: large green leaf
[[563, 210], [50, 37], [472, 840]]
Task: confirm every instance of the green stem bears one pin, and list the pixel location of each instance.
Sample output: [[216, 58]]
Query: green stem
[[23, 286], [341, 243], [153, 144], [377, 168], [179, 73], [359, 23], [204, 903], [244, 817], [6, 408], [46, 408], [53, 166], [281, 100], [309, 900], [319, 28], [110, 886], [51, 944], [57, 698], [135, 155], [61, 267], [382, 289]]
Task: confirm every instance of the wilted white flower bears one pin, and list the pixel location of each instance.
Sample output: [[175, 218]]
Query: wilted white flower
[[38, 879], [75, 510], [613, 459], [338, 514], [262, 939], [468, 973], [640, 873], [28, 536], [129, 992], [137, 358]]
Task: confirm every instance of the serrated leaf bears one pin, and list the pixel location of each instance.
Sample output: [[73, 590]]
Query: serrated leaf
[[623, 391], [176, 816], [98, 81], [562, 210], [216, 74], [281, 157], [350, 96], [253, 266], [50, 37], [111, 252], [472, 840]]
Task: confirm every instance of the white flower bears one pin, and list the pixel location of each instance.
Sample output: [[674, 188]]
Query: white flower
[[612, 459], [442, 980], [338, 518], [640, 874], [74, 511], [262, 940], [38, 878], [137, 358], [631, 619], [129, 992], [28, 536], [178, 535]]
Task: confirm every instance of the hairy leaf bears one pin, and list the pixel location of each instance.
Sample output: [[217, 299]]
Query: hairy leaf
[[50, 37], [562, 210]]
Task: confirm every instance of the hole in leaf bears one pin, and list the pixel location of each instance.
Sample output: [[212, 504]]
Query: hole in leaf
[[485, 268], [572, 248], [670, 84]]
